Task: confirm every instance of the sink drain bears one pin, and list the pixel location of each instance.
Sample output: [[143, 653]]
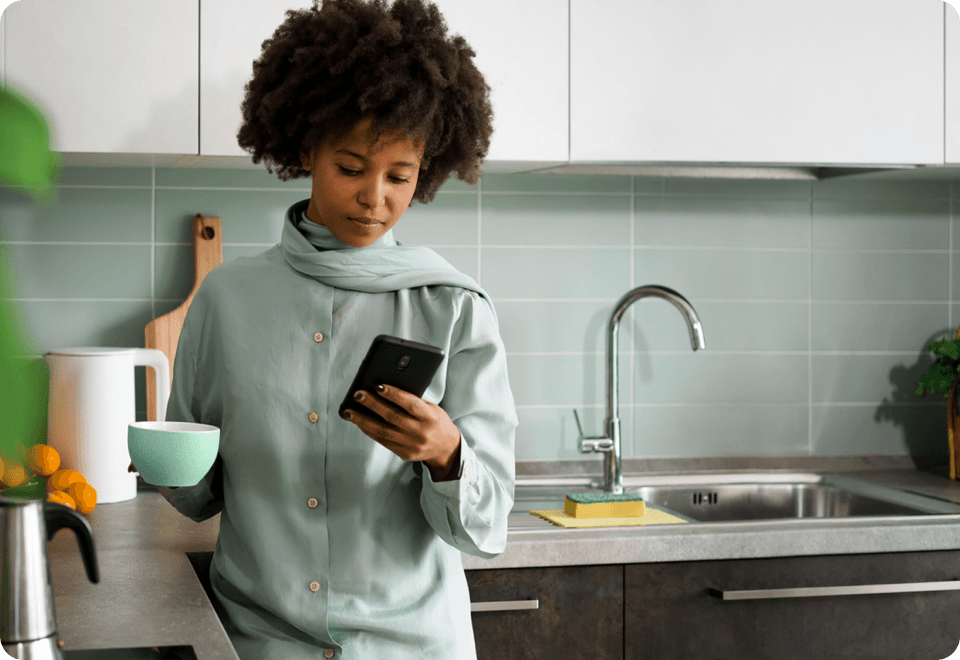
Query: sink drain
[[705, 498]]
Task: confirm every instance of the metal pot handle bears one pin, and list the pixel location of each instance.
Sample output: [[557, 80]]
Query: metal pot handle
[[57, 516]]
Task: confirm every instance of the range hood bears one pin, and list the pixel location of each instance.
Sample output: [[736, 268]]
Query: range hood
[[700, 170]]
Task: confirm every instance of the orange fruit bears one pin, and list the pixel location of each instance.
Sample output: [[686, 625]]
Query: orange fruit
[[63, 479], [42, 460], [60, 497], [14, 475], [84, 495]]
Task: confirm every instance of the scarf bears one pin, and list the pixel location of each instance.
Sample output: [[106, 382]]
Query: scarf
[[385, 265]]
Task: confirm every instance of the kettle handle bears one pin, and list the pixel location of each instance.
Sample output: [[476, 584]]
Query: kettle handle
[[58, 516], [151, 357]]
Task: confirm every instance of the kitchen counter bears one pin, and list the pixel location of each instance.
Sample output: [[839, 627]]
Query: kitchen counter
[[149, 594]]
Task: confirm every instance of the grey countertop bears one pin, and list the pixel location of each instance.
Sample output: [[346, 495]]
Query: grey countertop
[[149, 594]]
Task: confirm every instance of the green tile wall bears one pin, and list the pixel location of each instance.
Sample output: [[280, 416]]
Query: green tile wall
[[817, 299]]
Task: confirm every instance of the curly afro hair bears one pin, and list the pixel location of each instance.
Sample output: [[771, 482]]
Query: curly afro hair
[[326, 68]]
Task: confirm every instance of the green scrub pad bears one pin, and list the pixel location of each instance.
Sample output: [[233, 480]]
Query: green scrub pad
[[602, 505]]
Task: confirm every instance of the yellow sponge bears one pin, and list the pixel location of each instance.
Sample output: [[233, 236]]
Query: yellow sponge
[[602, 505]]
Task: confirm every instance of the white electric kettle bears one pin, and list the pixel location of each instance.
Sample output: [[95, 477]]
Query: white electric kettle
[[92, 400]]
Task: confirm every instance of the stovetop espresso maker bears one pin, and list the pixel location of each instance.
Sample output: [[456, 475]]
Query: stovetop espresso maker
[[28, 626]]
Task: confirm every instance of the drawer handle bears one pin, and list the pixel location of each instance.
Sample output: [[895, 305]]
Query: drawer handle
[[806, 592], [505, 605]]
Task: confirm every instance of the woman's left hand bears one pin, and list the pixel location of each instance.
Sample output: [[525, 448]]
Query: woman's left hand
[[415, 430]]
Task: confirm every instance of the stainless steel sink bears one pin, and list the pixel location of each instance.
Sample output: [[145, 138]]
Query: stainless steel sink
[[716, 502], [743, 496], [142, 653]]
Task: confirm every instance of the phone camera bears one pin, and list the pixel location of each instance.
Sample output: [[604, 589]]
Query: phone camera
[[404, 361]]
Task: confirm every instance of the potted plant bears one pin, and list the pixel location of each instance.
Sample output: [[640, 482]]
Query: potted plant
[[943, 376], [28, 165]]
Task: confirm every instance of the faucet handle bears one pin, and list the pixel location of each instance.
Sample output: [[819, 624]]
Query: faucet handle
[[577, 417], [591, 444]]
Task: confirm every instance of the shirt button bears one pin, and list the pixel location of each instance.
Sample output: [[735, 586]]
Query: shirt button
[[312, 503], [314, 586], [328, 653], [318, 337], [314, 417]]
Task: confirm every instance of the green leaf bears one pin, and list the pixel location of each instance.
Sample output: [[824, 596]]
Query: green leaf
[[950, 349], [939, 377], [26, 162], [24, 381]]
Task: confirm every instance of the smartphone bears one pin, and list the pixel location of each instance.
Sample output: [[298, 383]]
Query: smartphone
[[401, 363]]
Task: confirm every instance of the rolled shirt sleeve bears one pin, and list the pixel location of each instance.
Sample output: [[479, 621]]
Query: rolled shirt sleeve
[[470, 513]]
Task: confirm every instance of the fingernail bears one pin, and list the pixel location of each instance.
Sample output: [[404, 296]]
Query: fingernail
[[347, 416], [381, 388], [358, 396]]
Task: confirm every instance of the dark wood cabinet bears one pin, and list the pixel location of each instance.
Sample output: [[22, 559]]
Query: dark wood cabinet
[[670, 612], [667, 610], [579, 613]]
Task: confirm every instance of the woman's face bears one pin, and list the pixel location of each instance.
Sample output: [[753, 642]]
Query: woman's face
[[359, 192]]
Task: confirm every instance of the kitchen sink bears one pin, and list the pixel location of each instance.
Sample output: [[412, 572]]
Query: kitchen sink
[[178, 652], [744, 496], [716, 502]]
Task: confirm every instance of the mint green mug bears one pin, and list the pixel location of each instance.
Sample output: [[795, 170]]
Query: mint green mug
[[172, 454]]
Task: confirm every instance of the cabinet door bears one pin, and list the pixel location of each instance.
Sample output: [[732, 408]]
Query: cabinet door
[[113, 75], [669, 612], [524, 60], [522, 52], [754, 81], [580, 613], [952, 81], [231, 34]]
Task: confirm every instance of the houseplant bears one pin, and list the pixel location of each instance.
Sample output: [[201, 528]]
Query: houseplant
[[27, 165], [943, 376]]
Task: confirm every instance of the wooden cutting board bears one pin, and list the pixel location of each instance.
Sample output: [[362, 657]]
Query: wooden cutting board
[[163, 332]]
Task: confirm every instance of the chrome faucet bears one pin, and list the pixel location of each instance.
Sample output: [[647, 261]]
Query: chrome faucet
[[610, 443]]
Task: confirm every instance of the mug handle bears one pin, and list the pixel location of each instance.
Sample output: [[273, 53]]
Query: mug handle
[[151, 357]]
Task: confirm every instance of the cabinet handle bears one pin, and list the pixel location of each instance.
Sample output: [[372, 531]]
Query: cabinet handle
[[504, 605], [806, 592]]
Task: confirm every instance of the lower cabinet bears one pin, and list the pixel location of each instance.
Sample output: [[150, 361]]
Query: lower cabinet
[[677, 610], [671, 612], [579, 613]]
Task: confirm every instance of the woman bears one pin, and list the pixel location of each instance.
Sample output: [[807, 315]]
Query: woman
[[341, 538]]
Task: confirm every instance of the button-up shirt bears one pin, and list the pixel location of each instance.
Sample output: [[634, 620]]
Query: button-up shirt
[[330, 544]]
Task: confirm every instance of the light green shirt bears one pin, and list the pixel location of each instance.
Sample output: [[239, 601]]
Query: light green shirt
[[328, 540]]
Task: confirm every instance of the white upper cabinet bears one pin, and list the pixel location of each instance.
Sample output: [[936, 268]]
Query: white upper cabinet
[[231, 34], [952, 80], [524, 60], [757, 81], [115, 76], [522, 51]]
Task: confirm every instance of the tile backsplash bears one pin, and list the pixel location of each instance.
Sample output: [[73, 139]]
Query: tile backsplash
[[818, 299]]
